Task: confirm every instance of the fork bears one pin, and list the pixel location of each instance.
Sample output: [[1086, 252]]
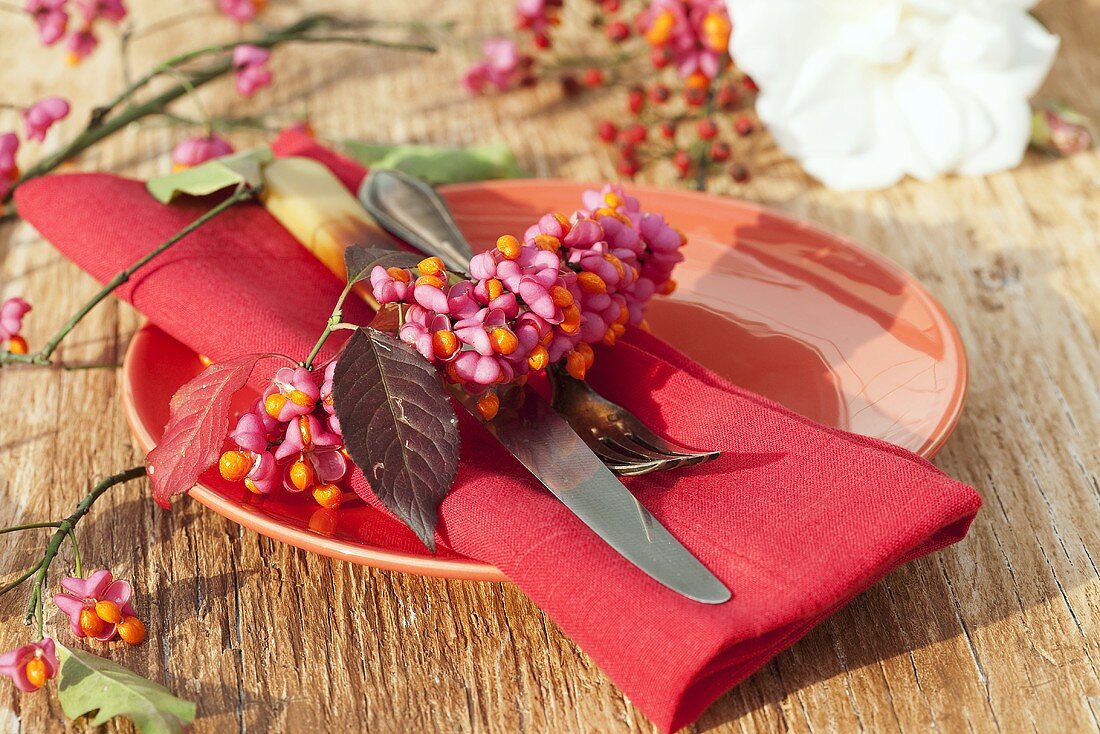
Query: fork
[[412, 211]]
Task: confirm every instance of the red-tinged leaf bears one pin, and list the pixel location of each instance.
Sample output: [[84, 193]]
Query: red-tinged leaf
[[196, 427], [398, 425]]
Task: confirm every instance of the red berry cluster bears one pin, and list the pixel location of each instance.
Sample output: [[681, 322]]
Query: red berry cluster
[[690, 133]]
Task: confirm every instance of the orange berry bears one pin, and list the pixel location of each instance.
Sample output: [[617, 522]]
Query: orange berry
[[300, 398], [586, 351], [509, 246], [716, 31], [252, 486], [623, 317], [575, 364], [667, 287], [563, 221], [444, 344], [538, 358], [305, 431], [328, 495], [488, 405], [274, 403], [91, 624], [609, 212], [108, 611], [547, 242], [660, 30], [17, 345], [698, 80], [572, 319], [609, 337], [451, 374], [547, 338], [430, 280], [399, 274], [302, 475], [591, 283], [616, 262], [612, 199], [132, 631], [618, 329], [36, 672], [430, 266], [494, 289], [561, 296], [503, 340], [234, 465]]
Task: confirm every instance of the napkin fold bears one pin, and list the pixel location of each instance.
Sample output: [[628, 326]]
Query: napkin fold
[[796, 518]]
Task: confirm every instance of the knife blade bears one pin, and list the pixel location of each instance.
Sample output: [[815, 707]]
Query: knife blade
[[552, 451]]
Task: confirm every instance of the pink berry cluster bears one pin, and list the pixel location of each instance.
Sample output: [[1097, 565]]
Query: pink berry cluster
[[290, 438], [52, 20], [572, 282]]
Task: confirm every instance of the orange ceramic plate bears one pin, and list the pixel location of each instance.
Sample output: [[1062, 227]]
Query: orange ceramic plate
[[783, 308]]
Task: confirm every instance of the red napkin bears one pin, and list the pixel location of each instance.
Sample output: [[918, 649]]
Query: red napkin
[[794, 517]]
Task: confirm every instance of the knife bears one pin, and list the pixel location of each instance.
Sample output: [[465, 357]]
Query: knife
[[526, 424], [551, 450], [531, 430]]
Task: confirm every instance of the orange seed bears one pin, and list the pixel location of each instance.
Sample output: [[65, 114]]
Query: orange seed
[[328, 496], [234, 465], [430, 280], [444, 344], [509, 246], [575, 365], [17, 345], [488, 405], [591, 283], [108, 611], [91, 624], [430, 266], [494, 289], [586, 351], [547, 242], [305, 431], [132, 631], [399, 274], [274, 403], [302, 475], [36, 672], [561, 296], [503, 340], [538, 358]]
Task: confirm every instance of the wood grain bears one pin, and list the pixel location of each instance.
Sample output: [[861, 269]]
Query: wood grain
[[997, 633]]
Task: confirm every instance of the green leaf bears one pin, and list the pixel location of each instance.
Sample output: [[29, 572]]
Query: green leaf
[[360, 261], [437, 164], [398, 425], [90, 683], [244, 168]]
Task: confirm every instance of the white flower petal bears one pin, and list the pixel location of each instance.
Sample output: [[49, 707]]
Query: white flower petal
[[863, 92]]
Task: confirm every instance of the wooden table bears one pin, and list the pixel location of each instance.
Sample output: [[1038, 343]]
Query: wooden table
[[998, 632]]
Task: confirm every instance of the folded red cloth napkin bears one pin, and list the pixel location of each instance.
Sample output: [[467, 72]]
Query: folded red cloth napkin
[[795, 518]]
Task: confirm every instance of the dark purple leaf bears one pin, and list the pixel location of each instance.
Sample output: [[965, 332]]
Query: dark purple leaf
[[360, 261], [196, 428], [398, 425]]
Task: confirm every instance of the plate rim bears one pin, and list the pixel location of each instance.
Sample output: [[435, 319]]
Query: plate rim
[[473, 570]]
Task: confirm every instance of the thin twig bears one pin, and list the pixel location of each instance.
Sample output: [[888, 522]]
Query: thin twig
[[64, 529]]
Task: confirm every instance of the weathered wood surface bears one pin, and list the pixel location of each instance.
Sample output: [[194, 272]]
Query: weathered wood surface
[[997, 633]]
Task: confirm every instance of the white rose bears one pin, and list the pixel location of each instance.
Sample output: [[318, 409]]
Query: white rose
[[862, 92]]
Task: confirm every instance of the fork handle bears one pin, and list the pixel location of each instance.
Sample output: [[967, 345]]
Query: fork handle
[[412, 210]]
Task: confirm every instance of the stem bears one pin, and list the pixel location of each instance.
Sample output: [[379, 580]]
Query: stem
[[99, 127], [65, 529], [704, 155], [77, 565], [29, 526], [42, 357], [332, 324]]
